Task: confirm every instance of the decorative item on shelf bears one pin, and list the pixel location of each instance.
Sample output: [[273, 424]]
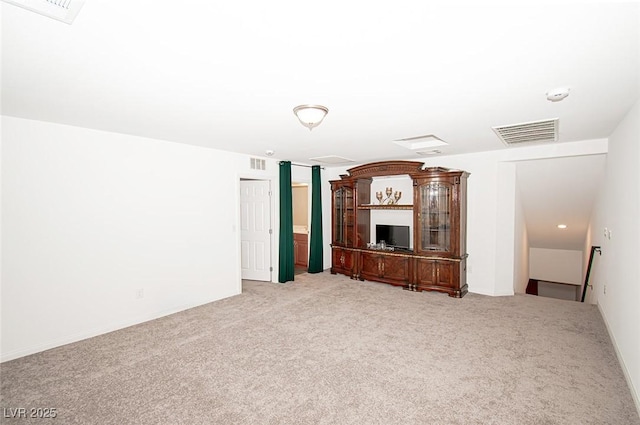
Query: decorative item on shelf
[[391, 199], [379, 197], [397, 195], [381, 246]]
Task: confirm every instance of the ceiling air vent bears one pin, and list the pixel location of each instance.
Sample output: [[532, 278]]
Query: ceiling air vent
[[529, 132], [420, 142], [258, 164], [331, 159], [61, 10]]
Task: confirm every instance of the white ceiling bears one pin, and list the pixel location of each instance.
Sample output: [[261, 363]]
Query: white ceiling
[[227, 74], [559, 191]]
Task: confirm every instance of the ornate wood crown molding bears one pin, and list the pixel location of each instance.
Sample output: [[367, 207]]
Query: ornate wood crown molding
[[396, 168], [385, 168]]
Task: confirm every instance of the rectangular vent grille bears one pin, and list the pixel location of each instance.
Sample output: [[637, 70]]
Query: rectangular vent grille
[[530, 132], [420, 142], [331, 159], [60, 3], [258, 164], [61, 10]]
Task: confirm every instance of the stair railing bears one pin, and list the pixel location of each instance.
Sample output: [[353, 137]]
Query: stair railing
[[586, 278]]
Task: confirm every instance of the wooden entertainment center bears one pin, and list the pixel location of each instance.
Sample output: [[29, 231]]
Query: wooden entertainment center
[[437, 261]]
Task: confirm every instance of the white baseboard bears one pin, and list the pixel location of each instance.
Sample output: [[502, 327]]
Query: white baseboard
[[625, 372]]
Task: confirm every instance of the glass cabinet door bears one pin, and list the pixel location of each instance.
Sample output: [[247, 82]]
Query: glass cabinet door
[[338, 213], [343, 216], [435, 217], [349, 216]]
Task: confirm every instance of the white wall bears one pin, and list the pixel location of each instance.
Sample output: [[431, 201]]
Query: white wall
[[505, 229], [556, 265], [92, 220], [401, 184], [1, 221], [593, 287], [521, 249], [300, 200], [618, 269]]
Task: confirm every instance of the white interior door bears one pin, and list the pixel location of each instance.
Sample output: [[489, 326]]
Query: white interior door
[[255, 229]]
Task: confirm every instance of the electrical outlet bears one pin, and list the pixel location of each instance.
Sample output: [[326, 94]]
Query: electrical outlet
[[139, 293], [605, 289]]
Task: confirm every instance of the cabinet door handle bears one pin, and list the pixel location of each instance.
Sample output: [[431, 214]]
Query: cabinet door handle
[[342, 260]]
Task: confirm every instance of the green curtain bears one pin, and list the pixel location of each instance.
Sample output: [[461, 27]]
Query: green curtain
[[316, 259], [286, 264]]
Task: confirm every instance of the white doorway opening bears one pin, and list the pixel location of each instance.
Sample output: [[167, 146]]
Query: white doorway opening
[[255, 229], [301, 211]]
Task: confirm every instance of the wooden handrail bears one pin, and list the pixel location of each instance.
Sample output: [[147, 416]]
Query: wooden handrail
[[586, 278]]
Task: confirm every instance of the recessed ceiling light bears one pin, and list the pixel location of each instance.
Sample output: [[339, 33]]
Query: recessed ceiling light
[[562, 226]]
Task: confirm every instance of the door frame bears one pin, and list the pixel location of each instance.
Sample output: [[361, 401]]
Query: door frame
[[307, 184], [273, 260]]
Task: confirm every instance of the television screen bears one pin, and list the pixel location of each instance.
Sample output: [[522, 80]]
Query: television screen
[[396, 236]]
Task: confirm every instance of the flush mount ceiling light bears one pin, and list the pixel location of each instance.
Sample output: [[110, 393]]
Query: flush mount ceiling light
[[310, 115], [562, 226]]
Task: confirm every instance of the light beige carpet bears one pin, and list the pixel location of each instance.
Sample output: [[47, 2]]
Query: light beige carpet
[[329, 350]]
